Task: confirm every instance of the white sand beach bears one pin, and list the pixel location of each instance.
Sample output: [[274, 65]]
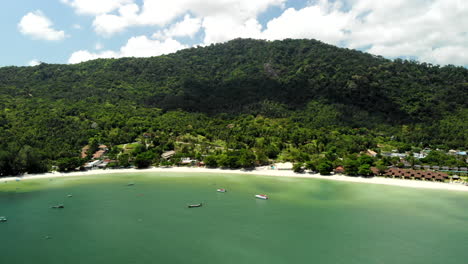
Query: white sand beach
[[264, 171]]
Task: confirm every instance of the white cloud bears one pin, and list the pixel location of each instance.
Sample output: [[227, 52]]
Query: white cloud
[[76, 26], [185, 28], [456, 55], [108, 24], [431, 30], [38, 26], [140, 46], [160, 13], [319, 22], [34, 62], [220, 29], [84, 55], [95, 7]]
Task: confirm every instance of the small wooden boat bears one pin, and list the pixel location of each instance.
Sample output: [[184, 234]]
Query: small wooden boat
[[194, 205], [60, 206], [3, 219], [261, 196], [221, 190]]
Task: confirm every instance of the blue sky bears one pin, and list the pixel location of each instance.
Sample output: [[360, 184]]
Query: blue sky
[[72, 31]]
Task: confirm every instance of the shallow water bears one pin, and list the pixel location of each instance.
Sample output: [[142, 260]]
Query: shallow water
[[306, 220]]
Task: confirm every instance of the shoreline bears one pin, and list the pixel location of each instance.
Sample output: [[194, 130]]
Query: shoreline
[[261, 171]]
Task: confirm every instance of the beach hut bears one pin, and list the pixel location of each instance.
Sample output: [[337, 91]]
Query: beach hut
[[408, 174], [388, 174], [439, 177], [339, 170], [428, 176], [418, 176]]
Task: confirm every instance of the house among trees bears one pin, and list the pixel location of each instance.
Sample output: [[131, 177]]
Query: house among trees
[[101, 150], [93, 164], [188, 161], [371, 153], [168, 154], [100, 153]]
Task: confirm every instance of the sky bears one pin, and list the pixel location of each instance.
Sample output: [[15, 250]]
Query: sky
[[73, 31]]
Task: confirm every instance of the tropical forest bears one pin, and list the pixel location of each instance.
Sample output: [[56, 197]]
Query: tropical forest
[[239, 104]]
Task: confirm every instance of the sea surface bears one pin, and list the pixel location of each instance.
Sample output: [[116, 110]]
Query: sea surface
[[304, 221]]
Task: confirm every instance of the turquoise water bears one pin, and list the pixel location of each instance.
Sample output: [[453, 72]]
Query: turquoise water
[[305, 221]]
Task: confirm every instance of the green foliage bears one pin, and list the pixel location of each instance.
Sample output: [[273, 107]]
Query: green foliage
[[124, 160], [246, 159], [211, 161], [351, 166], [311, 165], [69, 164], [298, 167], [442, 159], [325, 167], [364, 170], [241, 103], [144, 159], [381, 167]]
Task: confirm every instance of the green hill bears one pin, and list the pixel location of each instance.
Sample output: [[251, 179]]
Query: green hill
[[305, 87]]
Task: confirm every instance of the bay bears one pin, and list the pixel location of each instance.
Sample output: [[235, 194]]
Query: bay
[[305, 220]]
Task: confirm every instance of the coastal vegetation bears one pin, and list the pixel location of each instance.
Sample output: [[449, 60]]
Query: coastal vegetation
[[240, 104]]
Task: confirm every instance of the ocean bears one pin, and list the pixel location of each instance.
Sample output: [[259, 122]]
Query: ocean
[[305, 221]]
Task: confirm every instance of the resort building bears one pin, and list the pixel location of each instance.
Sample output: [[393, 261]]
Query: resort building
[[415, 174]]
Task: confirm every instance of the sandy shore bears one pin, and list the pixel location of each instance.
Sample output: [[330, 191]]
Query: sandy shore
[[259, 171]]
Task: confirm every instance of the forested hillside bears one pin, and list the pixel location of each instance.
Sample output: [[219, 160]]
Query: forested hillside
[[289, 100]]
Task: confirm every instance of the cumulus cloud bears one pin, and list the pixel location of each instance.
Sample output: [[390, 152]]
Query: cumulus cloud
[[84, 55], [38, 26], [95, 7], [430, 30], [161, 13], [323, 22], [185, 28], [34, 62], [139, 46]]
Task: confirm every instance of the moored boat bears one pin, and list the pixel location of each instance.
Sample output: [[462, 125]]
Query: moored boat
[[221, 190], [3, 219], [60, 206], [194, 205], [261, 196]]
